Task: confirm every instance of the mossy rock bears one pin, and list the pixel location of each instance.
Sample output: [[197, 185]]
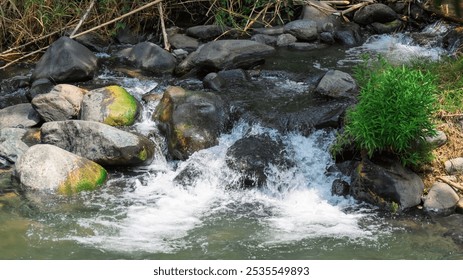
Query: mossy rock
[[111, 105], [48, 168], [190, 120], [87, 177]]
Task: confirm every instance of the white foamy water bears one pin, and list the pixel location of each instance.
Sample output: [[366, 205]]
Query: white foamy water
[[294, 205], [401, 47]]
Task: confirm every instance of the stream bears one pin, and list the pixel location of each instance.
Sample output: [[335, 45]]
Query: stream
[[145, 213]]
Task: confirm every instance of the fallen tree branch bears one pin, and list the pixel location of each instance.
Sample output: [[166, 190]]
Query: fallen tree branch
[[117, 19], [163, 27], [454, 185]]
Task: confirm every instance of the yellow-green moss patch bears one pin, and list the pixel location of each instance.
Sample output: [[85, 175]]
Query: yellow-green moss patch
[[122, 107], [87, 177]]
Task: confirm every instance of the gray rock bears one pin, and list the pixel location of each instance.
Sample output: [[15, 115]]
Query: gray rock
[[285, 40], [459, 206], [377, 12], [225, 54], [327, 37], [337, 84], [234, 75], [265, 39], [61, 103], [340, 188], [303, 30], [49, 169], [191, 121], [98, 142], [310, 12], [438, 140], [149, 57], [348, 34], [454, 166], [206, 32], [252, 155], [441, 199], [94, 41], [213, 81], [181, 41], [20, 115], [11, 144], [385, 182], [302, 46], [38, 87], [66, 61], [272, 31]]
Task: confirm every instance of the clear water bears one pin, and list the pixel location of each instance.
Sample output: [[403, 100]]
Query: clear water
[[145, 213]]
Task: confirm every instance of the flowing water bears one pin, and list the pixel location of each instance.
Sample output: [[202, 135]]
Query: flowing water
[[147, 213]]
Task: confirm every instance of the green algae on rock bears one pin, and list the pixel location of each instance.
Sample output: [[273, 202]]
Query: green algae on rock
[[51, 169], [111, 105]]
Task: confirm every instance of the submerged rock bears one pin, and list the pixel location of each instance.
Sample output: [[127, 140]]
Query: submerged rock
[[47, 168], [251, 156], [111, 105], [61, 103], [191, 121], [20, 115], [386, 182], [66, 61], [98, 142]]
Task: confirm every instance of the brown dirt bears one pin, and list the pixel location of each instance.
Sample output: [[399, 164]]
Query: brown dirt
[[452, 126]]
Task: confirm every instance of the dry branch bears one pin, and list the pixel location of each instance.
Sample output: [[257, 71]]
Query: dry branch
[[85, 32], [163, 27], [83, 18], [454, 185]]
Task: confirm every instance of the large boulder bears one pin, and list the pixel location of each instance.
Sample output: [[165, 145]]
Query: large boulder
[[337, 84], [226, 54], [61, 103], [66, 61], [251, 156], [385, 183], [377, 12], [303, 30], [20, 115], [111, 105], [47, 168], [441, 199], [149, 57], [98, 142], [191, 120]]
